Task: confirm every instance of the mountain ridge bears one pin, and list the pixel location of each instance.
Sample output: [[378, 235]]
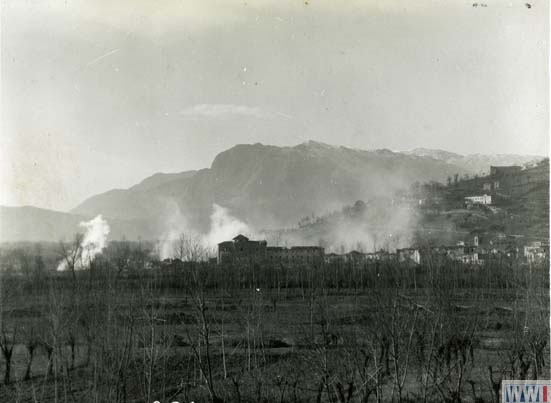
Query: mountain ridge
[[265, 186]]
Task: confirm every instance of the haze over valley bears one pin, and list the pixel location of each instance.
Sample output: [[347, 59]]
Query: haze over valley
[[262, 190]]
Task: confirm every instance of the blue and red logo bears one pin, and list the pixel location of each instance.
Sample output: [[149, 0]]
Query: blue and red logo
[[525, 391]]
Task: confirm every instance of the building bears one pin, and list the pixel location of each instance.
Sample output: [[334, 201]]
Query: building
[[504, 171], [513, 180], [296, 255], [334, 259], [485, 199], [457, 253], [381, 255], [241, 250], [529, 179], [409, 255], [356, 259], [536, 252], [469, 258], [491, 186]]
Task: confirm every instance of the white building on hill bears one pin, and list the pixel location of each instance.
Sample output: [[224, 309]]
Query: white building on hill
[[484, 199]]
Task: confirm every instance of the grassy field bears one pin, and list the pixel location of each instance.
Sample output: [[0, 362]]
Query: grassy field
[[117, 340]]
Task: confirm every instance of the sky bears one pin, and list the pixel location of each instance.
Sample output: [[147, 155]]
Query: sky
[[99, 94]]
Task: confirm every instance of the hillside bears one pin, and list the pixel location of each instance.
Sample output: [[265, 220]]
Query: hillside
[[267, 187], [272, 187]]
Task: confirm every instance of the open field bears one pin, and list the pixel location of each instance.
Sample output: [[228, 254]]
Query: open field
[[182, 337]]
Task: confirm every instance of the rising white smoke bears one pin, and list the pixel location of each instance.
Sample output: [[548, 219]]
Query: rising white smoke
[[94, 241], [174, 225], [223, 227]]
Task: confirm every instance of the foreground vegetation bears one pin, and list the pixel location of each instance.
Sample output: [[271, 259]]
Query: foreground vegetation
[[125, 328]]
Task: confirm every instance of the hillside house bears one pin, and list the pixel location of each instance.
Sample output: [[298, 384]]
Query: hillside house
[[491, 186], [485, 199], [513, 180], [504, 171], [530, 178]]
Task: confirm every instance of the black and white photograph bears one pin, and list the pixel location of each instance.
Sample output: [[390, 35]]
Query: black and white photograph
[[287, 201]]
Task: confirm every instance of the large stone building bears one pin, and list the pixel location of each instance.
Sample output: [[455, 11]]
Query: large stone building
[[513, 180], [242, 251], [504, 171]]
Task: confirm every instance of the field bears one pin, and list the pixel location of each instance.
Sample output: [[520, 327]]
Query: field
[[195, 332]]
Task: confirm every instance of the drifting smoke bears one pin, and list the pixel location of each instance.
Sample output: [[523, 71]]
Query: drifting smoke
[[175, 224], [383, 228], [380, 224], [93, 242], [223, 227]]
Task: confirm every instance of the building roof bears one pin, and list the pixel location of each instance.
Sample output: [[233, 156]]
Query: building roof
[[226, 243], [355, 252], [240, 237]]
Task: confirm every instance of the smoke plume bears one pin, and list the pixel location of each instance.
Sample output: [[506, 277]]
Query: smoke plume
[[224, 226], [93, 242], [175, 224]]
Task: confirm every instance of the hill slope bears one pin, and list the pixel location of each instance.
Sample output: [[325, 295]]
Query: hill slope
[[271, 187], [267, 187]]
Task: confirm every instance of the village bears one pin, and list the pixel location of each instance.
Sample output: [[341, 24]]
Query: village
[[231, 201], [478, 247], [243, 251]]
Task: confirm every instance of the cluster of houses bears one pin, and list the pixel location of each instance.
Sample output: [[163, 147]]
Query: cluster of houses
[[503, 181], [241, 250], [469, 253]]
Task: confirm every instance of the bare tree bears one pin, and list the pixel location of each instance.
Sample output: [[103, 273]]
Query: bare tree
[[71, 255], [31, 342], [7, 344]]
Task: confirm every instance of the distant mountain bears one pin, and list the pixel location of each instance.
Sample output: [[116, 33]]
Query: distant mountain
[[475, 163], [137, 202], [271, 187], [265, 186], [436, 154], [159, 179]]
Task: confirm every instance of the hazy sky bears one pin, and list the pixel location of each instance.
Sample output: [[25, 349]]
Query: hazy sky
[[100, 94]]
